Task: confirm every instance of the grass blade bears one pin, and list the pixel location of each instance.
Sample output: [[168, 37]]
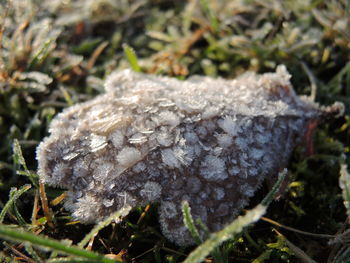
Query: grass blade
[[131, 57], [30, 250], [12, 200], [19, 159], [71, 260], [189, 223], [120, 213], [213, 20], [18, 155], [44, 50], [21, 221], [344, 256], [215, 239], [45, 206], [300, 254], [344, 183], [271, 195], [20, 235]]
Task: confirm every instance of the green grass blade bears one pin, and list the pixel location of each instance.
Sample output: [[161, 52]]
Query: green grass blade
[[271, 195], [187, 16], [30, 250], [344, 183], [12, 200], [18, 155], [217, 252], [215, 239], [189, 223], [21, 221], [44, 50], [213, 20], [72, 260], [19, 159], [20, 235], [120, 213], [131, 57]]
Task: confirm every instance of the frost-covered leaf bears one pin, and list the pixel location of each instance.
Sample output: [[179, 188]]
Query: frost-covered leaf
[[175, 152]]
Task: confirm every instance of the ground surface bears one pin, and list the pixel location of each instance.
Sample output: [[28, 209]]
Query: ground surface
[[57, 53]]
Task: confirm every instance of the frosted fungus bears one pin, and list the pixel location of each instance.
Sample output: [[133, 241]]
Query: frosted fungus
[[157, 139]]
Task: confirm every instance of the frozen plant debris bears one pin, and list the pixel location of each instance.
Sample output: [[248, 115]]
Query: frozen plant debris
[[157, 139]]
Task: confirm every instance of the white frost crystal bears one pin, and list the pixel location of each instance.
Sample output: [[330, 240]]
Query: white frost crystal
[[158, 139], [128, 156]]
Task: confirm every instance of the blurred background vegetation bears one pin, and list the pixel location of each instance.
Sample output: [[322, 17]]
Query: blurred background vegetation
[[55, 53]]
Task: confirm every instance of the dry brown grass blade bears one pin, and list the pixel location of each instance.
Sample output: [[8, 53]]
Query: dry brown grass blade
[[142, 216], [296, 230], [35, 209], [20, 255], [103, 243], [47, 211], [58, 199], [194, 38], [171, 58], [20, 28], [91, 242], [142, 254], [120, 256], [97, 52], [72, 223], [2, 29]]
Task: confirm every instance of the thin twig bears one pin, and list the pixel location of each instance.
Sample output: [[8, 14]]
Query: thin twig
[[296, 230]]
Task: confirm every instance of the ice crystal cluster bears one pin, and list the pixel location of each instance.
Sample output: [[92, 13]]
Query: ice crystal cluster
[[158, 139]]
